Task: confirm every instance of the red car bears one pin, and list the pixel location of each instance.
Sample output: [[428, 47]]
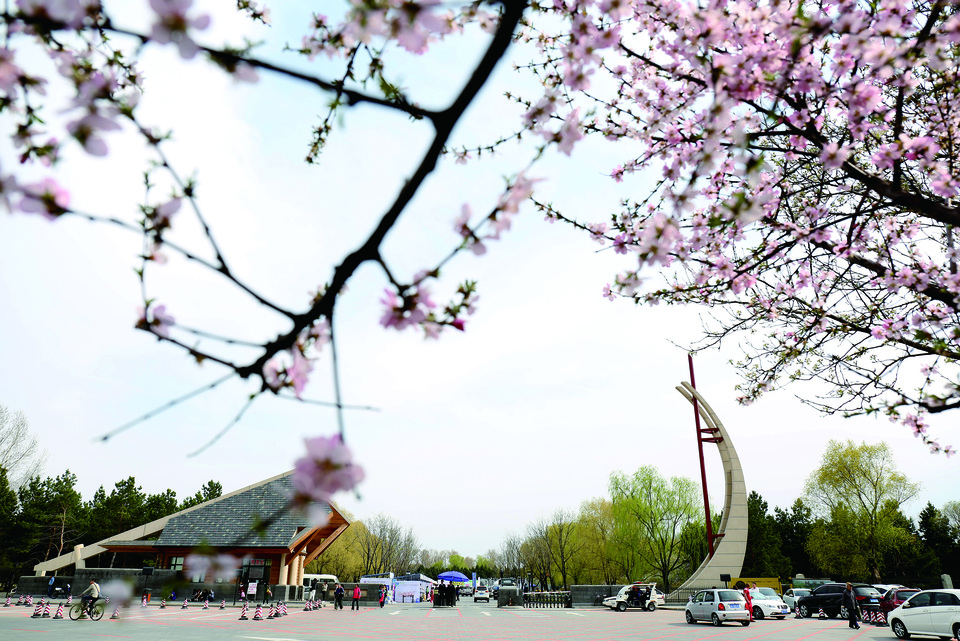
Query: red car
[[894, 597]]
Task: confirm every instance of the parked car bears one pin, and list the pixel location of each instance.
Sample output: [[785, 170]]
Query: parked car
[[933, 613], [767, 603], [466, 590], [895, 597], [829, 597], [790, 596], [628, 597], [717, 606], [481, 594]]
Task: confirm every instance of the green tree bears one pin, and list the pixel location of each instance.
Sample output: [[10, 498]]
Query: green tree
[[763, 556], [9, 509], [860, 489], [565, 544], [157, 506], [659, 509], [111, 514], [51, 516], [597, 530], [940, 537], [794, 526], [209, 491]]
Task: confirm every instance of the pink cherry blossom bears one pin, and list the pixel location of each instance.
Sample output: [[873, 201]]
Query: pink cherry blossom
[[327, 468], [173, 24], [46, 198]]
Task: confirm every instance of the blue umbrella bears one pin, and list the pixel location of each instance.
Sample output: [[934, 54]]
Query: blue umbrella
[[452, 575]]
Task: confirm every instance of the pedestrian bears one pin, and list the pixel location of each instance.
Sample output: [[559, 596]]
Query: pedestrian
[[355, 604], [643, 598], [50, 585], [746, 595], [383, 594], [338, 598], [850, 601]]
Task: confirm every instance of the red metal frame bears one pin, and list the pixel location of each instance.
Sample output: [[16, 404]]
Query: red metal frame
[[709, 435]]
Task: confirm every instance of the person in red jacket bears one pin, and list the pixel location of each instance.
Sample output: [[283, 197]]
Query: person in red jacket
[[355, 605]]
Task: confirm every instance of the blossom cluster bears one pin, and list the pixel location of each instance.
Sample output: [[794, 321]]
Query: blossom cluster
[[326, 468], [804, 155]]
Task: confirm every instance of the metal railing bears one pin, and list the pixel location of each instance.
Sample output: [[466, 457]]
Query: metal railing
[[547, 600]]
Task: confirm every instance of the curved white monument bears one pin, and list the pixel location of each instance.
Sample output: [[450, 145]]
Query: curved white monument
[[731, 546]]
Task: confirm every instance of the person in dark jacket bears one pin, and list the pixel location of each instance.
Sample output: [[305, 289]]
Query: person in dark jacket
[[338, 598], [850, 601]]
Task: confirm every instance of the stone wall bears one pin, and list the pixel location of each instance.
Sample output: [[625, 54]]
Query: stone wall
[[584, 595]]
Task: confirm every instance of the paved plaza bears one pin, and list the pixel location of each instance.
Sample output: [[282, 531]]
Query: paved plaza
[[467, 622]]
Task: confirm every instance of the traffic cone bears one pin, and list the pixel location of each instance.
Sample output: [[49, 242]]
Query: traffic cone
[[116, 613], [20, 600], [797, 613], [883, 618], [163, 604], [243, 612], [36, 612], [258, 615], [46, 610], [184, 606], [206, 604], [69, 600], [223, 604], [59, 614], [272, 614], [822, 615], [143, 601], [282, 608], [29, 600], [306, 605], [7, 604]]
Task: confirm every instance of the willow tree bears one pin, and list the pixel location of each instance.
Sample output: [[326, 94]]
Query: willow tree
[[658, 509]]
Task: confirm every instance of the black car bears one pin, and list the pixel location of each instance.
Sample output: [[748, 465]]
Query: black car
[[829, 598]]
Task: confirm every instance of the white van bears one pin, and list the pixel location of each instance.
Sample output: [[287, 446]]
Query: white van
[[331, 579]]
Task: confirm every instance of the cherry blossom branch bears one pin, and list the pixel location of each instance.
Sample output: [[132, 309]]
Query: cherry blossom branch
[[166, 406]]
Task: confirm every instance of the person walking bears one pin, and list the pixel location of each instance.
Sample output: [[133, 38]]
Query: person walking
[[383, 594], [338, 598], [850, 601], [355, 604], [53, 580], [749, 599]]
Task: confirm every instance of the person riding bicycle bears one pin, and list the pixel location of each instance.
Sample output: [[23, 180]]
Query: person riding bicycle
[[90, 595]]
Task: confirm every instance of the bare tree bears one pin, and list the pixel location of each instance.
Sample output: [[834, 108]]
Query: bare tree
[[509, 557], [536, 551], [20, 452]]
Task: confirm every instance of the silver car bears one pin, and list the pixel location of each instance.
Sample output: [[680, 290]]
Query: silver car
[[790, 596], [717, 606]]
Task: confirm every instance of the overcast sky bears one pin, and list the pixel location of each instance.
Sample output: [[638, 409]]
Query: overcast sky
[[550, 389]]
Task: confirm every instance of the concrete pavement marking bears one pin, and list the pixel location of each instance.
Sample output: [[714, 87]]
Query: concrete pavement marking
[[393, 614]]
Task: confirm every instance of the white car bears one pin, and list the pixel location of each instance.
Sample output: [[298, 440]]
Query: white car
[[481, 594], [767, 603], [623, 599], [791, 596], [934, 613], [717, 606]]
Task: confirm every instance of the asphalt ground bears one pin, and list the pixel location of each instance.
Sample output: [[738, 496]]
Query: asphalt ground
[[467, 622]]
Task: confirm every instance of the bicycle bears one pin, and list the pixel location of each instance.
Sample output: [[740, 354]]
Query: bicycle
[[95, 611]]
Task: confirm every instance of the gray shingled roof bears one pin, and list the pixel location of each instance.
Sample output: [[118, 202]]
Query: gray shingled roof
[[228, 521]]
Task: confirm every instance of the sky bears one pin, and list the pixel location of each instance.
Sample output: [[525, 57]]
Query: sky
[[550, 389]]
